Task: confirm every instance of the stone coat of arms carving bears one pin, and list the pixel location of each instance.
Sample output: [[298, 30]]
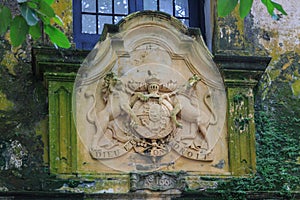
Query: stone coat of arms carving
[[150, 101]]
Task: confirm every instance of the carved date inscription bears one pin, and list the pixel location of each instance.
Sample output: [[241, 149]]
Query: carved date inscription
[[157, 181]]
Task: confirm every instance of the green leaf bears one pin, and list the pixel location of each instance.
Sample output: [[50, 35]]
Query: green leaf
[[225, 7], [32, 5], [279, 8], [46, 9], [35, 31], [29, 15], [49, 2], [245, 7], [57, 37], [45, 19], [18, 30], [58, 20], [269, 6], [5, 16]]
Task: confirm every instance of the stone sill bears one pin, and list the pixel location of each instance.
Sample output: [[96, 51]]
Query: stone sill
[[138, 195]]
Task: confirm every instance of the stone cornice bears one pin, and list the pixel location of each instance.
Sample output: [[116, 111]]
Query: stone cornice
[[46, 59], [241, 70]]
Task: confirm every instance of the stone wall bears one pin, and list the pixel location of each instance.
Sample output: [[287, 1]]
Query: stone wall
[[277, 95]]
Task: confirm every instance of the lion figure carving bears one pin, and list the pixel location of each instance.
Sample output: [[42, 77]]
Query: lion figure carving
[[187, 104], [117, 102]]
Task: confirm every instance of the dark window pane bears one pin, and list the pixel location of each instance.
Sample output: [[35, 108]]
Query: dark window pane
[[105, 6], [103, 20], [150, 4], [89, 24], [181, 8], [121, 7], [88, 6], [166, 6]]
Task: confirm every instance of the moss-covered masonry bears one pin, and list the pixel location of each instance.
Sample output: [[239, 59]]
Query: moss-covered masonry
[[280, 38], [277, 95], [280, 88], [23, 112]]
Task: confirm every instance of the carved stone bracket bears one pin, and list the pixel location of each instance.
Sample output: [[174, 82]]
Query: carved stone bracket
[[158, 181]]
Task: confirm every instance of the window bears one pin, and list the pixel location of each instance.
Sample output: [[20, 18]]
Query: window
[[91, 15]]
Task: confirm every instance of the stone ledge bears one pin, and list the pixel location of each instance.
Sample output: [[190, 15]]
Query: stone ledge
[[46, 59], [187, 195], [245, 68]]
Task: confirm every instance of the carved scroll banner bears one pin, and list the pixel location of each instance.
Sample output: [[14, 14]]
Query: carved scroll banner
[[149, 97]]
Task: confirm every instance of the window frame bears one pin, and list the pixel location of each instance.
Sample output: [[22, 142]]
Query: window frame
[[87, 41]]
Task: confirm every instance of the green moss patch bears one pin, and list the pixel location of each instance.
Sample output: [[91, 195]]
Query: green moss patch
[[296, 88]]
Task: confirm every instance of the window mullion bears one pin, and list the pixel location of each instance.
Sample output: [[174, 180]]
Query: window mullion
[[97, 17], [174, 14], [113, 11]]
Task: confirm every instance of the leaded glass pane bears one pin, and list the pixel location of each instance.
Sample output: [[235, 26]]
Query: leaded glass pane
[[166, 6], [181, 8], [112, 11], [150, 4], [117, 19], [89, 24], [185, 21], [88, 6], [103, 20], [105, 6], [121, 7]]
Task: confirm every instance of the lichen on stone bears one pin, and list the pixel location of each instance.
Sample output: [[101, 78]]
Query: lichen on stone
[[14, 154]]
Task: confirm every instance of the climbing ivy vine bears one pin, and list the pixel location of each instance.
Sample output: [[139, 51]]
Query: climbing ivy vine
[[277, 168], [277, 120]]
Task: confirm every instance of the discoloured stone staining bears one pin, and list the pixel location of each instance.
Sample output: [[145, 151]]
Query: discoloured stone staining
[[282, 35], [284, 70], [9, 61], [5, 104], [14, 154], [63, 9], [239, 110], [230, 36], [282, 41]]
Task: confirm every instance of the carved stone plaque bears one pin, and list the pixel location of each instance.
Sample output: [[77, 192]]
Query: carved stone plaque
[[149, 98], [157, 181]]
